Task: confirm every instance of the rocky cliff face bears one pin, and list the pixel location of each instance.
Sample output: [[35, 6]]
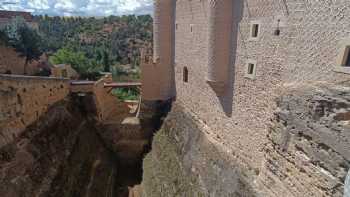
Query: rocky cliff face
[[185, 161], [309, 149], [58, 155]]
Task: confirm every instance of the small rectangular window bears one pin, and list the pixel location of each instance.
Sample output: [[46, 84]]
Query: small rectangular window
[[255, 30], [176, 26], [250, 69], [347, 57], [185, 74], [343, 58]]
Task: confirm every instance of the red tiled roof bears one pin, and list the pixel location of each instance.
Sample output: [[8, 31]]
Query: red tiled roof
[[12, 14]]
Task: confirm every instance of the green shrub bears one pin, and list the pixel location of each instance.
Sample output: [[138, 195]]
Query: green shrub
[[126, 93]]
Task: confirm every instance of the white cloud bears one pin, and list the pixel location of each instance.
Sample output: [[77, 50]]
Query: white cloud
[[38, 4], [80, 7]]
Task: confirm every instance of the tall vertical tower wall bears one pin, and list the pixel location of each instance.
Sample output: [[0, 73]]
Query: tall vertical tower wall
[[158, 78], [219, 43]]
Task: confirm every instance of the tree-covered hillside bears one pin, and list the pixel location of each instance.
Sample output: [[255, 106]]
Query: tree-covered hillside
[[95, 44]]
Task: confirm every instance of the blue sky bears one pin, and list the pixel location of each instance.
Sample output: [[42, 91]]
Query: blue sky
[[79, 7]]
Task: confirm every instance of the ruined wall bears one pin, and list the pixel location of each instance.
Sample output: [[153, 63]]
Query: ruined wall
[[24, 99]]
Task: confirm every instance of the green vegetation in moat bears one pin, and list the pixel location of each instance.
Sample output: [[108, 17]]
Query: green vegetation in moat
[[126, 93]]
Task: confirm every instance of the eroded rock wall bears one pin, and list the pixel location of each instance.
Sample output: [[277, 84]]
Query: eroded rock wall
[[59, 155], [187, 161], [31, 161], [308, 153]]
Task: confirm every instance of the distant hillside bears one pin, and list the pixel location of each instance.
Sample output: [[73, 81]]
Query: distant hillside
[[118, 37]]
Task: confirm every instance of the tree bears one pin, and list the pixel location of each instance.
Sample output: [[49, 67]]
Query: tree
[[28, 45], [67, 56], [25, 40], [3, 38], [105, 62], [78, 60]]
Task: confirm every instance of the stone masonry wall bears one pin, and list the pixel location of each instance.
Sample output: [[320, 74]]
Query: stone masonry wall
[[242, 113], [306, 50], [24, 99]]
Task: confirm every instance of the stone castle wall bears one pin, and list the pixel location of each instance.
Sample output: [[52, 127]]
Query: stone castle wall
[[307, 151], [24, 99], [306, 50]]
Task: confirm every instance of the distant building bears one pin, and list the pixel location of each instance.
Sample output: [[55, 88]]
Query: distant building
[[7, 16], [64, 71]]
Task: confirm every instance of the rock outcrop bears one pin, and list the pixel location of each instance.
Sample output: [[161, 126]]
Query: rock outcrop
[[309, 149], [185, 161]]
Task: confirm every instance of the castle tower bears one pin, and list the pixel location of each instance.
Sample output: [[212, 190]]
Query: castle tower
[[219, 41], [158, 77]]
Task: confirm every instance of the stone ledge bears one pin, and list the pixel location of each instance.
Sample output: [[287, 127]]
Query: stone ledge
[[24, 77], [342, 69]]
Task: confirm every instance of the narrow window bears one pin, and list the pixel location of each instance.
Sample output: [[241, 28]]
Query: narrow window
[[176, 26], [191, 26], [185, 74], [343, 59], [278, 31], [251, 69], [347, 57], [255, 30]]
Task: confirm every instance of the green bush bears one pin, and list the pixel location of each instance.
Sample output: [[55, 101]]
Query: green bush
[[126, 93]]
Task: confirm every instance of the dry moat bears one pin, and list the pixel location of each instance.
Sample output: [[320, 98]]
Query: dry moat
[[76, 148]]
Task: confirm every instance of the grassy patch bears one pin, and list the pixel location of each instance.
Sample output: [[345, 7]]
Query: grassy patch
[[126, 93]]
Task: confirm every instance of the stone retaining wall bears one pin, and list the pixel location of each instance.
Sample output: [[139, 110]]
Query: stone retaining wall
[[24, 99]]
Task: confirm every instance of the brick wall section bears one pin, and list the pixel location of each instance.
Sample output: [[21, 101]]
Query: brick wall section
[[305, 51], [24, 99]]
